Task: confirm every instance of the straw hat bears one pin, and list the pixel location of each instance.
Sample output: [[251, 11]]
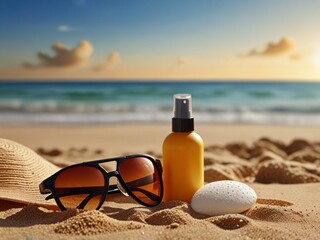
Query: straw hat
[[21, 172]]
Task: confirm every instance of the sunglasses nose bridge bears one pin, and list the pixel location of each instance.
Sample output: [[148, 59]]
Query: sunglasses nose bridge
[[114, 174], [119, 180]]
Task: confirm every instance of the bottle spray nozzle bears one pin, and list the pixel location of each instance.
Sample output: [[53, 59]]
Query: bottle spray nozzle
[[182, 120], [182, 106]]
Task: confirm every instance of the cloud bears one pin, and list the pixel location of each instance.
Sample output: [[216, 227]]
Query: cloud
[[282, 47], [64, 57], [64, 28], [112, 61], [297, 56]]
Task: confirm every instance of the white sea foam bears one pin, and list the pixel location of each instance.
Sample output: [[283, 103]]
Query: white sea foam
[[252, 103], [146, 117]]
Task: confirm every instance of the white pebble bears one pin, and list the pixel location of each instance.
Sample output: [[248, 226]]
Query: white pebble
[[223, 197]]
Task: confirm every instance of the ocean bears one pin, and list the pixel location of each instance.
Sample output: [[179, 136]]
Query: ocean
[[281, 103]]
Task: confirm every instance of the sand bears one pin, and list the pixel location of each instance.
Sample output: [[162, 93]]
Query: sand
[[282, 164]]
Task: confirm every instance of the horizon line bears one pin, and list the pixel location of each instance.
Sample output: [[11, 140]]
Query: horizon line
[[157, 80]]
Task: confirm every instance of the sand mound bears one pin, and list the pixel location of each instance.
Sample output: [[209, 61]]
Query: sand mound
[[132, 214], [266, 161], [269, 145], [170, 204], [238, 149], [279, 144], [173, 212], [216, 173], [297, 145], [306, 155], [229, 222], [274, 202], [282, 172], [274, 214], [169, 216], [229, 172], [178, 205], [94, 222], [265, 155], [33, 215]]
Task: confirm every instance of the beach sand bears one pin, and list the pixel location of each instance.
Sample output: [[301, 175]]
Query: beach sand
[[282, 164]]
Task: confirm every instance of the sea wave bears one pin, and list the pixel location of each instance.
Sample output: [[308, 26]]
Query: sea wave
[[53, 106], [256, 103], [145, 117], [51, 112]]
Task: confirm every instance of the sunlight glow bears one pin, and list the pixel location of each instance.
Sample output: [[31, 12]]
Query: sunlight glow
[[316, 58]]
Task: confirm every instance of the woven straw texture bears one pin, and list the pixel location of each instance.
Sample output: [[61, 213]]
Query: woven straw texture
[[21, 172]]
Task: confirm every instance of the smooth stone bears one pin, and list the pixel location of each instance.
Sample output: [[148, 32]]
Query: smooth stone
[[223, 197]]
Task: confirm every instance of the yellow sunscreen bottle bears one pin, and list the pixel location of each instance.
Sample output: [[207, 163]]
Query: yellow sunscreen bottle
[[182, 154]]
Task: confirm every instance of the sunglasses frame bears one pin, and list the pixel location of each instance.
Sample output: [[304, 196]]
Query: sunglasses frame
[[47, 186]]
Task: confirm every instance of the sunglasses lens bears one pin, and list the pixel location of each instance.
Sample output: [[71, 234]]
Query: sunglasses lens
[[142, 178], [80, 187]]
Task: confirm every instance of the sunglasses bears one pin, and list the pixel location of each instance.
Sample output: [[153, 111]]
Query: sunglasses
[[86, 185]]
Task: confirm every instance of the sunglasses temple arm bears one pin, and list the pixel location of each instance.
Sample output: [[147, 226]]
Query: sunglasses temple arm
[[87, 199], [113, 189], [134, 186], [74, 191], [49, 197], [150, 195], [44, 190]]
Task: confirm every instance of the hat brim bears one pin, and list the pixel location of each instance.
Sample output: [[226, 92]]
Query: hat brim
[[27, 198], [21, 172]]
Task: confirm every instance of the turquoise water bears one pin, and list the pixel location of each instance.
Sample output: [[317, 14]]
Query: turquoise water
[[114, 102]]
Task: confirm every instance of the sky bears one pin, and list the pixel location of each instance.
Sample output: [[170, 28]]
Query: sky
[[167, 39]]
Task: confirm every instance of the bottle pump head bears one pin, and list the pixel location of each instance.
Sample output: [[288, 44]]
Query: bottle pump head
[[182, 112], [182, 106]]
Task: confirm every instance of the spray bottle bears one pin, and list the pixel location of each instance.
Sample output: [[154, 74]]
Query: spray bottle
[[182, 154]]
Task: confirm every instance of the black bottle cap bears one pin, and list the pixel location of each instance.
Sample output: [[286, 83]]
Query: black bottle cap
[[182, 124]]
